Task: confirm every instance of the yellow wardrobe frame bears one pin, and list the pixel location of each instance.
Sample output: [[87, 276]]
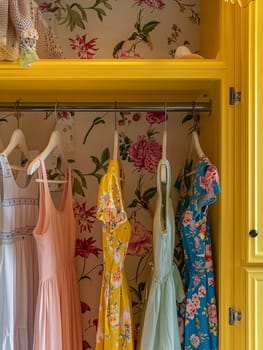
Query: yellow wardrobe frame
[[229, 132]]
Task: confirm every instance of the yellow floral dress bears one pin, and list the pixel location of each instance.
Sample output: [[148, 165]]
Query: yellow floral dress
[[114, 330]]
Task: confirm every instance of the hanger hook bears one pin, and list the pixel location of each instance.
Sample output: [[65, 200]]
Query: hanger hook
[[56, 111], [196, 118], [165, 116], [17, 113], [115, 115]]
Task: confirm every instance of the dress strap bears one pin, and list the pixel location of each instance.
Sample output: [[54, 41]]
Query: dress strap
[[67, 190], [6, 170], [43, 173]]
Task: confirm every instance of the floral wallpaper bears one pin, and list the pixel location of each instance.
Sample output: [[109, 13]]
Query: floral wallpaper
[[123, 29], [93, 29]]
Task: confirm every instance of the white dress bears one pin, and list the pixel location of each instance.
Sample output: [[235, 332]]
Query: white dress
[[160, 328], [18, 260]]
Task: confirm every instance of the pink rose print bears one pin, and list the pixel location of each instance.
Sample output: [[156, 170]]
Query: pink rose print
[[44, 6], [145, 153], [141, 240], [212, 174], [195, 340], [188, 216], [202, 291], [85, 345], [85, 49], [156, 117], [126, 54], [84, 307], [211, 281], [85, 216], [212, 313], [202, 182], [197, 242], [63, 115], [198, 264], [196, 300], [85, 247], [196, 280], [155, 4], [208, 257], [95, 322], [190, 309]]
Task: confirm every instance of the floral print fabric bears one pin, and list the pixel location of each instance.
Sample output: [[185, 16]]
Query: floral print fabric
[[200, 314], [114, 325]]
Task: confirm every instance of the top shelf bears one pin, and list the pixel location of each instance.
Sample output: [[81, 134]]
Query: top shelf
[[131, 80], [109, 80]]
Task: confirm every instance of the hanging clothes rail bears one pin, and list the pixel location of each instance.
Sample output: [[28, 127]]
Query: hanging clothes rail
[[116, 107]]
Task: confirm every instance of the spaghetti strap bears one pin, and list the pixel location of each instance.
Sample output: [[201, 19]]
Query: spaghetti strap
[[6, 170]]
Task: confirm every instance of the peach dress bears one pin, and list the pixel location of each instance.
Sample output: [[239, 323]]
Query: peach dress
[[58, 313]]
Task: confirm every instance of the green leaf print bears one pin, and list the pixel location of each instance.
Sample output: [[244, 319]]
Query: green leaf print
[[149, 27], [140, 35], [75, 15], [149, 194], [195, 17], [82, 177], [77, 187], [118, 47], [142, 200], [96, 121], [101, 164]]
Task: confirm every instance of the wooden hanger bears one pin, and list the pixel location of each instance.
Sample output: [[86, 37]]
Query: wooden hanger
[[164, 151], [115, 145], [197, 146], [1, 145], [55, 141], [164, 148], [116, 137], [17, 140]]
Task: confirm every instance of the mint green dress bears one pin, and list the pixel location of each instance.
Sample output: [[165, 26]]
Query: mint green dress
[[160, 327]]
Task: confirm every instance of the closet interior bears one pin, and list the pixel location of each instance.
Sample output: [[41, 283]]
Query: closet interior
[[82, 100]]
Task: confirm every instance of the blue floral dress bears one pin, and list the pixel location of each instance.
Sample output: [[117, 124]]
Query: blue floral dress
[[200, 318]]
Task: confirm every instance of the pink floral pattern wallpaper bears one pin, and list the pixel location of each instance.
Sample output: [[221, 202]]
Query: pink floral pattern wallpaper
[[121, 29]]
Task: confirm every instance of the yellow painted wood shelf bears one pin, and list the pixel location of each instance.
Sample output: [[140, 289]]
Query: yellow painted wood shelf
[[110, 80]]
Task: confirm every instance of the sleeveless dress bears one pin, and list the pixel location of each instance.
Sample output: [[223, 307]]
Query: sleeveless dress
[[160, 328], [58, 315], [114, 330], [18, 260], [200, 325]]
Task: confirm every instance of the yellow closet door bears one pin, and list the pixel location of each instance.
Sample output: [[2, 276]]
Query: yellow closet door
[[249, 182], [254, 134], [254, 301]]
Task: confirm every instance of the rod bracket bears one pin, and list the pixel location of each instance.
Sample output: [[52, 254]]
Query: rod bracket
[[234, 96]]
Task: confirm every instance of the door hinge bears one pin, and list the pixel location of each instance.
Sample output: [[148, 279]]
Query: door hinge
[[234, 315], [234, 96]]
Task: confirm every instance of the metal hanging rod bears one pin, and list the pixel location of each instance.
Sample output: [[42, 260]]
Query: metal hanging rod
[[117, 107]]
